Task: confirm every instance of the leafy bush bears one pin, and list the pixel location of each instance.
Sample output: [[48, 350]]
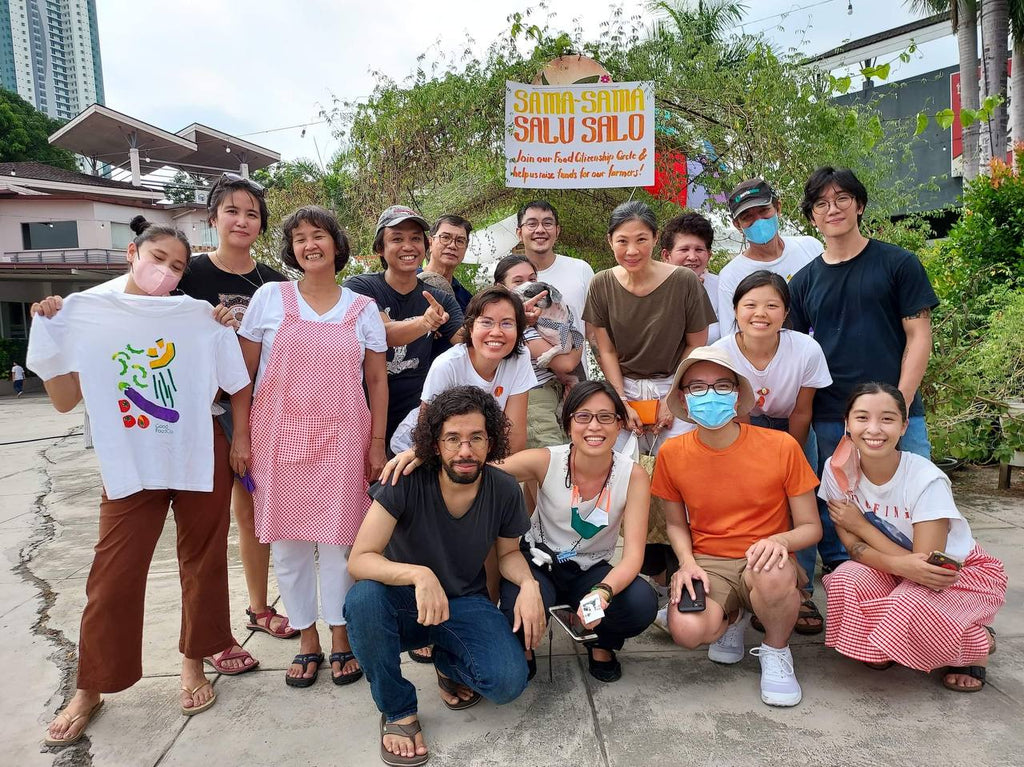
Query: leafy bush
[[11, 350]]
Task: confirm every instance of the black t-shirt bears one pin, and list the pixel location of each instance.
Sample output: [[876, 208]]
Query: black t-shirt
[[203, 280], [408, 365], [856, 309], [453, 548]]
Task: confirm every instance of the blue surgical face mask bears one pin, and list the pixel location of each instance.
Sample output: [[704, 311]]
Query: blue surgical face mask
[[712, 410], [762, 231]]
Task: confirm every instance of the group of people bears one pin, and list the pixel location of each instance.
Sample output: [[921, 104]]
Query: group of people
[[437, 466]]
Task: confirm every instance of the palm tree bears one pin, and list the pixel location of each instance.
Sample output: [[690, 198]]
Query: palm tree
[[995, 28], [1017, 71], [697, 22], [963, 15]]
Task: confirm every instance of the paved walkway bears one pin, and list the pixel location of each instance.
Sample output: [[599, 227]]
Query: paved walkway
[[672, 707]]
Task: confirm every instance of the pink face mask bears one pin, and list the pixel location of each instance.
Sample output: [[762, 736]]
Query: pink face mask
[[154, 279]]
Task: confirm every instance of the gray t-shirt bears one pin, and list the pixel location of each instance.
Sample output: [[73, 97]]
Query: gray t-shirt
[[453, 548]]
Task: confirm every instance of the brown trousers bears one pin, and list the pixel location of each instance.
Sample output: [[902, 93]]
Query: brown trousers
[[110, 646]]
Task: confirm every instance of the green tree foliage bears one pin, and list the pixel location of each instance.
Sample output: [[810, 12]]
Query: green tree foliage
[[24, 131], [182, 187], [436, 141]]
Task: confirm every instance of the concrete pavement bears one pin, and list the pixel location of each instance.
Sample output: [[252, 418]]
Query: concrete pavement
[[672, 707]]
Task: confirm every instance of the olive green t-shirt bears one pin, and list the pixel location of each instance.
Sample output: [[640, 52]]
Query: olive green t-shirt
[[649, 332]]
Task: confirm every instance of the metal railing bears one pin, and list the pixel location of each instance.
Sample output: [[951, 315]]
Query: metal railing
[[70, 256]]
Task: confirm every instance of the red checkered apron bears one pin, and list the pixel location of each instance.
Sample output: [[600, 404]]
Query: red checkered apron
[[876, 617], [311, 430]]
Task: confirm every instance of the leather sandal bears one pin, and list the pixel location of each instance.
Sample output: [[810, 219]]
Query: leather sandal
[[417, 656], [220, 667], [409, 731], [285, 631], [71, 723], [193, 710], [975, 672], [304, 659], [451, 687], [343, 678]]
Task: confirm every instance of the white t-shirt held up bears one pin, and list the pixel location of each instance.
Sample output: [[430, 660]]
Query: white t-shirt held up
[[149, 368]]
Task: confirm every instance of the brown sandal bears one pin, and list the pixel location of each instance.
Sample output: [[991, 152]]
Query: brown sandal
[[451, 687], [409, 731], [71, 723], [220, 668], [285, 631]]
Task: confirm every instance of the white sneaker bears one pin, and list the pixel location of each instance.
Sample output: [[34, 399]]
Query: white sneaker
[[778, 679], [729, 648], [661, 620]]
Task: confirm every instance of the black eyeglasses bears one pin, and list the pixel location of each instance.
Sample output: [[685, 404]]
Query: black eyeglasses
[[583, 417], [248, 183], [699, 388]]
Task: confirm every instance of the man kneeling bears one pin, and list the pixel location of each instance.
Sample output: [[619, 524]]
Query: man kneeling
[[419, 558], [748, 493]]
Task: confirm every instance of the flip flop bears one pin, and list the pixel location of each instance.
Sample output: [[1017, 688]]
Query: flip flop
[[409, 731], [220, 668], [71, 722], [304, 660], [192, 711], [414, 655], [343, 678], [451, 687]]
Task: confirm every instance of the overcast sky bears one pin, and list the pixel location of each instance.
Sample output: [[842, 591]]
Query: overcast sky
[[252, 68]]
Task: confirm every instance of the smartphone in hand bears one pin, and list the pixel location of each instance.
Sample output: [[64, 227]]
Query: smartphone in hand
[[942, 559], [693, 605], [567, 618]]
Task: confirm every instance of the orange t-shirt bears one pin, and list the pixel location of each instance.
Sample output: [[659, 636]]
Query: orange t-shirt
[[734, 496]]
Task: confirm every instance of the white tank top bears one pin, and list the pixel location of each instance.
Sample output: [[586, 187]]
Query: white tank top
[[552, 521]]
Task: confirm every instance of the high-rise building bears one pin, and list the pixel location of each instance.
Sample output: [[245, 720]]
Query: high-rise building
[[50, 54]]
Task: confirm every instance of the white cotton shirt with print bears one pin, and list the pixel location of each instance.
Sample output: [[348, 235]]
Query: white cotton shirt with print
[[265, 314], [797, 252], [454, 368], [798, 362], [571, 277], [917, 492], [149, 368]]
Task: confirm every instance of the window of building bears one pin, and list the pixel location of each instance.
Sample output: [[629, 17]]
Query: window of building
[[120, 235], [51, 235], [14, 319]]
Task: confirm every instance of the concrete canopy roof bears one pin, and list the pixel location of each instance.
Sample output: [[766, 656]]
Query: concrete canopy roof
[[211, 146]]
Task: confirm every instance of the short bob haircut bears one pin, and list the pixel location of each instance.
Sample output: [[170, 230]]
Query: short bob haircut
[[686, 223], [318, 217], [452, 220], [229, 183], [506, 264], [543, 205], [634, 210], [493, 295], [459, 400], [825, 177], [147, 231], [581, 392], [760, 279], [876, 387]]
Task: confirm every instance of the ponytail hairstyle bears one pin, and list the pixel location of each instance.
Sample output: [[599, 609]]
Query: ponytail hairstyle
[[147, 231], [876, 387]]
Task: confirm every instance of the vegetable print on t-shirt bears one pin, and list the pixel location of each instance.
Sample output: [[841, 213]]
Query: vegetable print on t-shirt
[[147, 385]]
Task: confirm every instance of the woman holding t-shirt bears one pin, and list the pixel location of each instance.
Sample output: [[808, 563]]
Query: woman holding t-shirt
[[544, 430], [227, 279], [892, 509], [785, 369], [315, 444], [640, 344], [148, 366]]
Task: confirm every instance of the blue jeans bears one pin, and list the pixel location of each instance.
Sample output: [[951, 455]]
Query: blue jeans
[[474, 647], [829, 433]]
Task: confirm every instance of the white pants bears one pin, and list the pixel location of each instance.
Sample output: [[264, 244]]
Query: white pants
[[297, 578]]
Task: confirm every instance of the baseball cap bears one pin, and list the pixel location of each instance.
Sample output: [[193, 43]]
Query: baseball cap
[[753, 193], [396, 214], [719, 356]]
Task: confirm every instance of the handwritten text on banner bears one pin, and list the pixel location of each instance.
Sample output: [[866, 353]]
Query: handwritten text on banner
[[579, 136]]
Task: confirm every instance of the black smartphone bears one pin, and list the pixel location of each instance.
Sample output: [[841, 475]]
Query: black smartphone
[[942, 559], [567, 618], [695, 605]]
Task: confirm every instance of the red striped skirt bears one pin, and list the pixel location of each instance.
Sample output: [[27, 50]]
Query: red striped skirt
[[877, 617]]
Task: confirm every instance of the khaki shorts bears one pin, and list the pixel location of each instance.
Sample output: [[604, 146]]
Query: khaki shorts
[[542, 427], [728, 586]]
